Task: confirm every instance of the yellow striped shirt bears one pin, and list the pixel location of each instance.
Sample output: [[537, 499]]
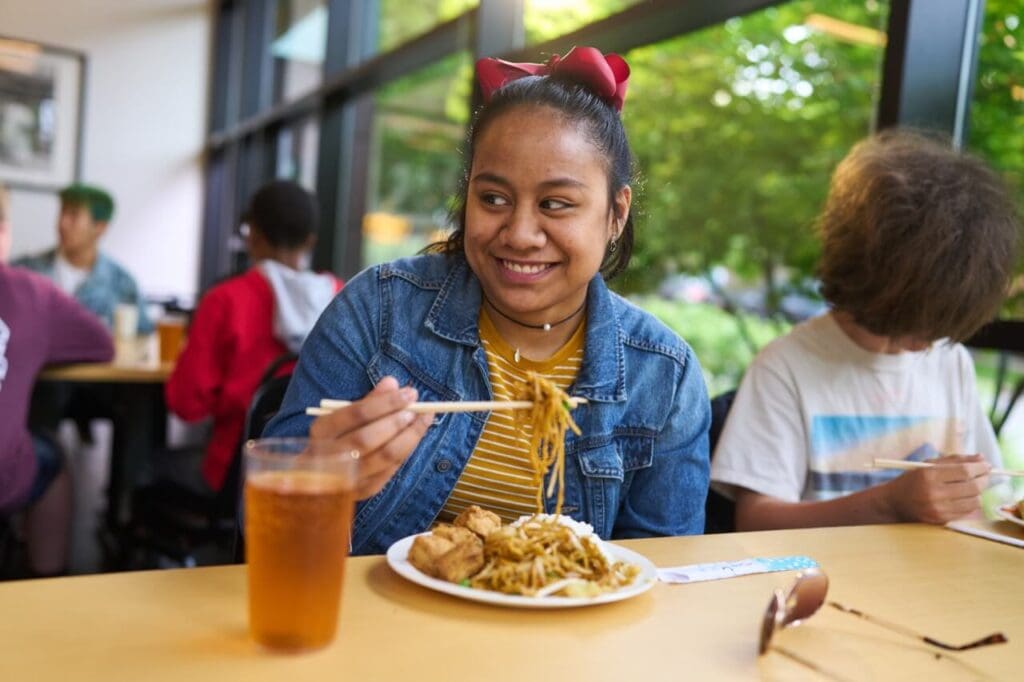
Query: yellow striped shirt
[[498, 475]]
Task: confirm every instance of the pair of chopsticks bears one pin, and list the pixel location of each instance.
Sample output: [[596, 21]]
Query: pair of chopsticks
[[327, 406], [880, 463]]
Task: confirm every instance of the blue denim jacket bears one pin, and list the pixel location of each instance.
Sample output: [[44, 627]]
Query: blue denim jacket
[[107, 285], [640, 467]]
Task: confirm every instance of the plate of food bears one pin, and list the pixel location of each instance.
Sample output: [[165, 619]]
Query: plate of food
[[1012, 513], [541, 561]]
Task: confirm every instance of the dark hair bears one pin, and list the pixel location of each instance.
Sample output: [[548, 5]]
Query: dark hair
[[602, 125], [284, 213], [917, 239], [98, 201]]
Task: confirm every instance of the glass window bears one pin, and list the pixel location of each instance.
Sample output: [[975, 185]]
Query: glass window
[[736, 130], [997, 113], [419, 123], [547, 19], [300, 41], [297, 148], [400, 20], [997, 117]]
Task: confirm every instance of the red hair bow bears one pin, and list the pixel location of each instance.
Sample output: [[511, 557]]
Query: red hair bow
[[605, 75]]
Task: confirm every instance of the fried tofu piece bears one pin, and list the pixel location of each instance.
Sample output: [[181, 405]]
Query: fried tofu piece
[[426, 552], [480, 521], [462, 561], [457, 534]]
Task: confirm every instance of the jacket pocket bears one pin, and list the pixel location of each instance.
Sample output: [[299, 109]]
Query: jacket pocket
[[408, 373], [602, 462], [593, 477], [636, 450]]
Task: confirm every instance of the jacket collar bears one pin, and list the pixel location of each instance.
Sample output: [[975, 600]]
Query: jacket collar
[[102, 269], [456, 308], [455, 316]]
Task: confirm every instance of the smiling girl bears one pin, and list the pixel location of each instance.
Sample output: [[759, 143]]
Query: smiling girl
[[543, 218]]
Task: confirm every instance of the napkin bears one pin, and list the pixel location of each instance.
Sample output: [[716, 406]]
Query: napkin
[[695, 573]]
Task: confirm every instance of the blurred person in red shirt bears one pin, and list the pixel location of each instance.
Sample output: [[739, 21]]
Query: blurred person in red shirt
[[241, 326]]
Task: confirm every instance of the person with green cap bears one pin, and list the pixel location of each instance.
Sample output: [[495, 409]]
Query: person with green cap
[[77, 265], [82, 271]]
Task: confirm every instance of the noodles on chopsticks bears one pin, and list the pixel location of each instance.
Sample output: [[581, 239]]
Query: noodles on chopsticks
[[550, 419]]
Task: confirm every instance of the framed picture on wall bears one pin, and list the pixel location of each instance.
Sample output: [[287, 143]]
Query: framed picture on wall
[[41, 98]]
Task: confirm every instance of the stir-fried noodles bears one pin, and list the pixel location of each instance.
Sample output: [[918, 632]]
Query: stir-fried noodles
[[540, 552]]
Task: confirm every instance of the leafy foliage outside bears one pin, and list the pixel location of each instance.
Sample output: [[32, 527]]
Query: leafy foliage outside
[[712, 334], [736, 130], [997, 112], [400, 20]]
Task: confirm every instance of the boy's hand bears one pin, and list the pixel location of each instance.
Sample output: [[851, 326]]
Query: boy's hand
[[947, 491]]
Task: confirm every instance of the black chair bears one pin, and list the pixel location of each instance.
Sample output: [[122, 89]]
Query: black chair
[[171, 524], [265, 404], [719, 510], [8, 546]]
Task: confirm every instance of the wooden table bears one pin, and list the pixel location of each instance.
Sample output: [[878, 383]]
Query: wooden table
[[108, 373], [140, 423], [190, 624]]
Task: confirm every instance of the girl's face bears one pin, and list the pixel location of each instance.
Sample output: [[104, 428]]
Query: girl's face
[[538, 218]]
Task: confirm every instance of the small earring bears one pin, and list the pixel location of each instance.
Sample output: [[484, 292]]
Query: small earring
[[614, 246]]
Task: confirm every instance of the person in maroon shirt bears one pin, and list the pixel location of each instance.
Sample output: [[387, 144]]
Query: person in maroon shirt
[[39, 325], [240, 327]]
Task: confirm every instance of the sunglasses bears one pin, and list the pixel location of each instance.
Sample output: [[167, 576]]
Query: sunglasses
[[807, 595]]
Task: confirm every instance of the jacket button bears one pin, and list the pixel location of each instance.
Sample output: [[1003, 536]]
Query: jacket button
[[443, 465]]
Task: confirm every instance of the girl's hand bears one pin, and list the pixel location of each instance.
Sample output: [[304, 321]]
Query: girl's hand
[[379, 428]]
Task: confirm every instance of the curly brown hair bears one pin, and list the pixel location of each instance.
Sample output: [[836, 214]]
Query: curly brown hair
[[917, 239]]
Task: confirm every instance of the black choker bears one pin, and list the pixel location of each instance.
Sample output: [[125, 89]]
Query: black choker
[[543, 327]]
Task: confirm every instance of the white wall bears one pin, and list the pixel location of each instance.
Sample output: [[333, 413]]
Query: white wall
[[145, 121]]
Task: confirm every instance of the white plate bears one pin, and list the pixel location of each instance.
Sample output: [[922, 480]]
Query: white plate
[[398, 560], [1009, 516]]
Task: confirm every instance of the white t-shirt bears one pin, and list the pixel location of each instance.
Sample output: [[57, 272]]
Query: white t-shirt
[[814, 409], [66, 276]]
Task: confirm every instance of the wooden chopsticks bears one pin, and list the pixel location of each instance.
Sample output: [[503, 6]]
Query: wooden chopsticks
[[327, 406], [881, 463]]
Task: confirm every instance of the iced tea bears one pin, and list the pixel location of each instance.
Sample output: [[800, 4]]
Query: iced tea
[[297, 537], [170, 330]]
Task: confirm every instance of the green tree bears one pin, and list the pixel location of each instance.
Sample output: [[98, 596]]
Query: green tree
[[736, 130], [997, 112]]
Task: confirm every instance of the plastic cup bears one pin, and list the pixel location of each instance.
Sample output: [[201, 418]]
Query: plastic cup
[[126, 321], [170, 330], [299, 501]]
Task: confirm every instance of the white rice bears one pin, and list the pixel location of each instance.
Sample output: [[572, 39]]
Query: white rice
[[580, 529]]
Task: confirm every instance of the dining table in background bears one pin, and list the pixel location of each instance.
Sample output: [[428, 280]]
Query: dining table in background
[[190, 624], [140, 421]]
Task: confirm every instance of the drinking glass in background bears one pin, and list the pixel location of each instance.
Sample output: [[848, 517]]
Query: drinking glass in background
[[170, 330], [126, 321], [126, 326], [299, 501]]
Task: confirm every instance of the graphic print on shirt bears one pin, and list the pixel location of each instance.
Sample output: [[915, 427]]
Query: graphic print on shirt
[[843, 446], [5, 335]]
